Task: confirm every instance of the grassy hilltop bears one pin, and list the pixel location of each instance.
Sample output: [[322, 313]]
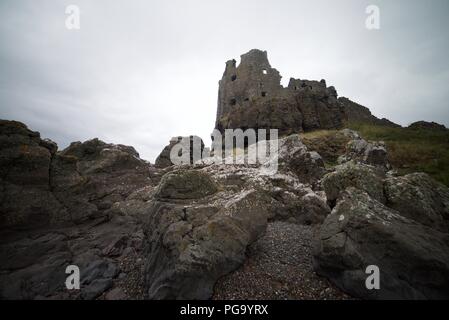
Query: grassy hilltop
[[410, 150]]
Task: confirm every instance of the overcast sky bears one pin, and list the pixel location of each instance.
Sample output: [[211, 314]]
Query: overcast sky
[[140, 72]]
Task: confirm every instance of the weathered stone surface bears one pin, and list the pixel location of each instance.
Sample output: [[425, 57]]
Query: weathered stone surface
[[363, 177], [40, 186], [413, 259], [90, 177], [185, 184], [197, 232], [357, 113], [294, 157], [43, 192], [251, 96], [361, 151], [189, 246], [418, 197], [25, 193]]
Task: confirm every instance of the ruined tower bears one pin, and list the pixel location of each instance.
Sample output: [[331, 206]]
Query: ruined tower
[[251, 96]]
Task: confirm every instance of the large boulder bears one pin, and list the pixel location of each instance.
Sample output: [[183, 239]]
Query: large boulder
[[413, 259], [190, 245], [293, 156], [418, 197], [185, 184], [363, 177], [359, 150]]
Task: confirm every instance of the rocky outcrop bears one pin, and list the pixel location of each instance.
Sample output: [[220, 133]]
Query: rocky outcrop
[[88, 178], [191, 244], [363, 177], [293, 156], [426, 125], [201, 221], [420, 198], [361, 151], [359, 114], [42, 186], [64, 208], [251, 96], [396, 223], [25, 164]]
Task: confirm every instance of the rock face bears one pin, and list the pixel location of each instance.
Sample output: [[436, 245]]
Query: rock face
[[361, 151], [63, 208], [396, 223], [420, 198], [90, 177], [361, 176], [202, 219], [25, 162], [251, 96], [190, 245], [42, 186], [357, 113]]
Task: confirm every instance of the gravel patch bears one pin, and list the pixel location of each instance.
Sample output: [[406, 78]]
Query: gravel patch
[[278, 266]]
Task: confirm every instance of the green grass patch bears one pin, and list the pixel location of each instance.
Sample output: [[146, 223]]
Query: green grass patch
[[411, 150]]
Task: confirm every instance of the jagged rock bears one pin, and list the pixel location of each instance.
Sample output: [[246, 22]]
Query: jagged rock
[[26, 198], [301, 206], [418, 197], [45, 191], [41, 187], [293, 156], [413, 259], [357, 113], [90, 177], [197, 232], [251, 96], [190, 245], [363, 177], [185, 184], [426, 125], [359, 150]]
